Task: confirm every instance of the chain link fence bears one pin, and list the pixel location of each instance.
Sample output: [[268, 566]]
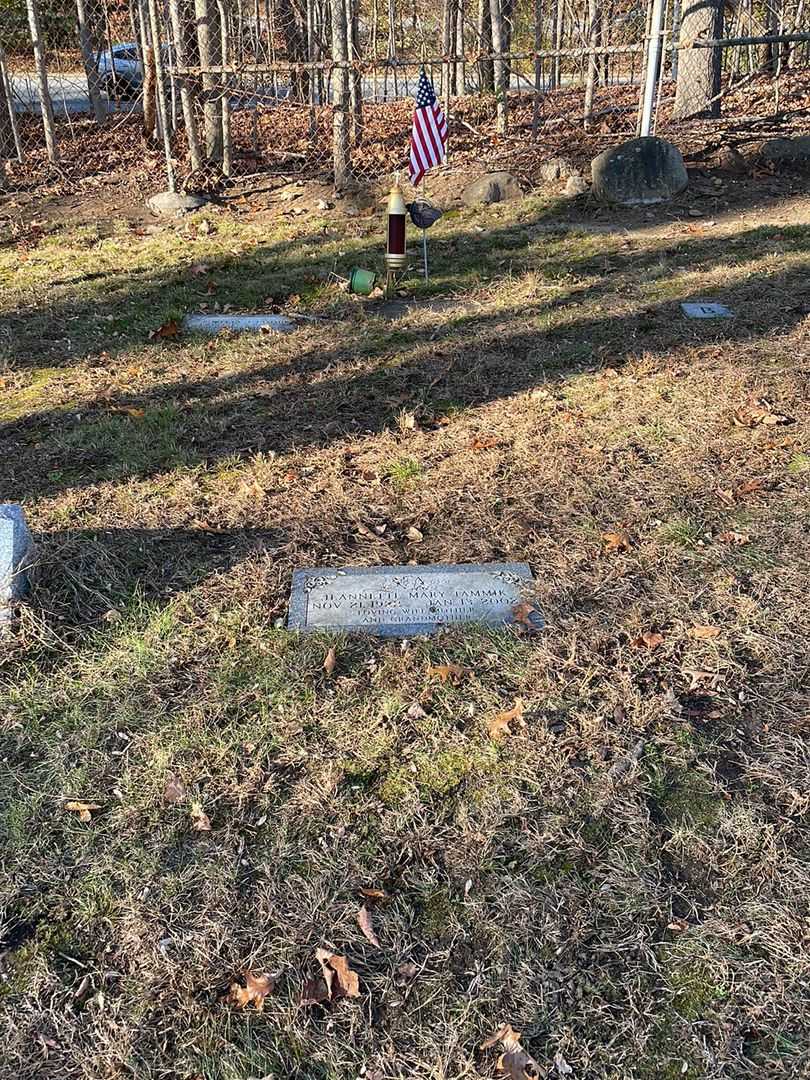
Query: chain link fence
[[208, 90]]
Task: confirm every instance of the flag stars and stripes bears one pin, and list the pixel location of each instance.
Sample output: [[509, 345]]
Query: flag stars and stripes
[[429, 133]]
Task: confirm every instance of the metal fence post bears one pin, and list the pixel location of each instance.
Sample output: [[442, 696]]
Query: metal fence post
[[653, 60]]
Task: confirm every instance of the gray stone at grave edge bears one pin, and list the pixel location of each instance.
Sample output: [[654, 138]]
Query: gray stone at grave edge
[[402, 601], [556, 168], [174, 203], [786, 151], [16, 557], [639, 173], [238, 324], [492, 188]]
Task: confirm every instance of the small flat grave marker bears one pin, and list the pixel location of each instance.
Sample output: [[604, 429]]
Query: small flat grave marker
[[402, 601], [239, 324], [707, 310]]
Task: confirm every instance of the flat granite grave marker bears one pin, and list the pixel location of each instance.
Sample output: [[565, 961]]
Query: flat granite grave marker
[[16, 557], [401, 601], [706, 310]]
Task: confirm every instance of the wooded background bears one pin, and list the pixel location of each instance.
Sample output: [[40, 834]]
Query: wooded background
[[323, 87]]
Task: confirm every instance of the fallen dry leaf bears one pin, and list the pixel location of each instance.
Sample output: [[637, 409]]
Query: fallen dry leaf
[[255, 990], [523, 614], [731, 536], [615, 542], [498, 726], [329, 661], [703, 632], [453, 673], [747, 488], [175, 790], [199, 269], [169, 329], [339, 978], [415, 535], [702, 680], [415, 711], [650, 639], [83, 809], [514, 1061], [481, 443], [364, 922], [129, 410], [759, 411], [374, 894], [200, 821]]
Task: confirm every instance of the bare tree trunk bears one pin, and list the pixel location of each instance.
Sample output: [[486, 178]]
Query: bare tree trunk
[[42, 80], [507, 15], [593, 68], [353, 41], [486, 68], [461, 69], [340, 97], [89, 61], [207, 43], [227, 147], [556, 43], [445, 89], [186, 99], [160, 92], [148, 64], [699, 69], [501, 71], [538, 66], [7, 147], [392, 41], [8, 118], [767, 51], [676, 33]]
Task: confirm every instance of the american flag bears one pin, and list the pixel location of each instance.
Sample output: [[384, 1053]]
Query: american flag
[[429, 135]]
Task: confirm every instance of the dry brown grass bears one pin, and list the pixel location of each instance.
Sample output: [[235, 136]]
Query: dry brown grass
[[625, 879]]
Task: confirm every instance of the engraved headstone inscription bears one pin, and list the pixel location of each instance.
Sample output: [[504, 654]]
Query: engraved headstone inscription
[[400, 601], [705, 309]]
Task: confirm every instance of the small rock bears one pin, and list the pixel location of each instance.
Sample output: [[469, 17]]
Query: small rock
[[576, 185], [322, 204], [556, 168], [16, 559], [351, 211], [639, 172], [492, 188], [786, 151], [174, 203]]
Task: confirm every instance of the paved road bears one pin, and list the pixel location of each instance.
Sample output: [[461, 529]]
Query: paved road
[[70, 95]]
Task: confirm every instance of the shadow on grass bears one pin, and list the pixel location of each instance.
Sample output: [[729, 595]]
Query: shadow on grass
[[336, 390]]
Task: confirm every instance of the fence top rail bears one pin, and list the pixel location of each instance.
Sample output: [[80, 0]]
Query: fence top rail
[[761, 39]]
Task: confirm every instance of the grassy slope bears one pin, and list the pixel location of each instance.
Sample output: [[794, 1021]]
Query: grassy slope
[[625, 880]]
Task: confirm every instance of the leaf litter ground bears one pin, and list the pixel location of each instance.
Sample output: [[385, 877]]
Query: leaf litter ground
[[389, 860]]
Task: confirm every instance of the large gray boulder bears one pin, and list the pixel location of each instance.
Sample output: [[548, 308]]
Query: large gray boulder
[[492, 188], [639, 173], [174, 203], [16, 559], [786, 151]]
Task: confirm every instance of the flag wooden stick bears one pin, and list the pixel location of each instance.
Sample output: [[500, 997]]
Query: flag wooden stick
[[424, 232]]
